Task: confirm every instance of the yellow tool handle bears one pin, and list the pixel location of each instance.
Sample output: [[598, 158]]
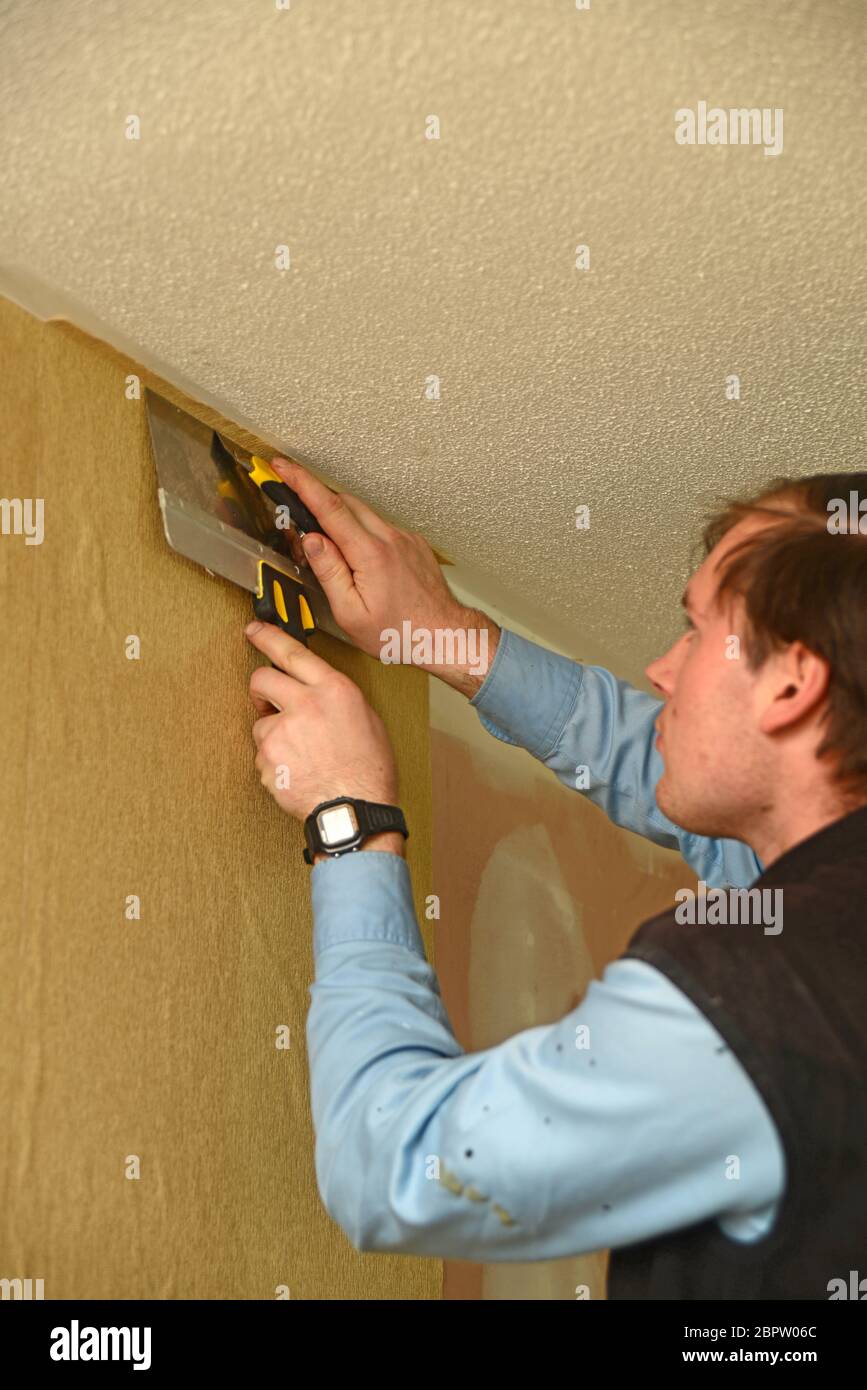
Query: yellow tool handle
[[262, 472], [281, 600]]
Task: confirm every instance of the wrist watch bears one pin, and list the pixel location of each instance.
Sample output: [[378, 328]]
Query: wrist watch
[[342, 825]]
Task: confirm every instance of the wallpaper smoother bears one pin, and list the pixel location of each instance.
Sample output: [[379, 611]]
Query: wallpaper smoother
[[154, 1037]]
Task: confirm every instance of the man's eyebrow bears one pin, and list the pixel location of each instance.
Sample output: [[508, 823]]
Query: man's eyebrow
[[688, 603]]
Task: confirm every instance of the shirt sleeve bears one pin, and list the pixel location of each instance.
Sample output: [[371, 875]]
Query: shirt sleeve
[[596, 734], [616, 1123]]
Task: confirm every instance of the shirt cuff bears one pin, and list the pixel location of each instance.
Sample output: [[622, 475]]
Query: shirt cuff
[[528, 694], [364, 896]]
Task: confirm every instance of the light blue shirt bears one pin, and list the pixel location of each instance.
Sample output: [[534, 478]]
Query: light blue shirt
[[538, 1148]]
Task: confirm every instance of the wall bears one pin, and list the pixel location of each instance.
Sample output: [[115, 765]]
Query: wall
[[152, 1037]]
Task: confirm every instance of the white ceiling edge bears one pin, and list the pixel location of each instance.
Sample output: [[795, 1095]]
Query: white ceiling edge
[[477, 590], [47, 303]]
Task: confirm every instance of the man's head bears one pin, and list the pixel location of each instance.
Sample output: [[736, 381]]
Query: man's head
[[766, 692]]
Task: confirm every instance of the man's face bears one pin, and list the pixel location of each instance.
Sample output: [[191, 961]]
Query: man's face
[[717, 770]]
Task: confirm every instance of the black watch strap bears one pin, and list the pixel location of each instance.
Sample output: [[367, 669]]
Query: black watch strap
[[378, 817], [374, 818]]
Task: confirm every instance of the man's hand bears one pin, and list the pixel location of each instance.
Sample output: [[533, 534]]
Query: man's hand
[[317, 736], [376, 576]]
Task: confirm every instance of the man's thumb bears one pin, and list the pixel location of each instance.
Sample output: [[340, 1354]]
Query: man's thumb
[[329, 566], [312, 544]]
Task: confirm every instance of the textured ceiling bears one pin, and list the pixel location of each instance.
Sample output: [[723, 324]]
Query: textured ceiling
[[412, 257]]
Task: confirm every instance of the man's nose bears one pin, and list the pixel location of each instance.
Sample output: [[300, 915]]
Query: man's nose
[[656, 680], [660, 672]]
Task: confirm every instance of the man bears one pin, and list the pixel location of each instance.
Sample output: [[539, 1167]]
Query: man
[[702, 1111]]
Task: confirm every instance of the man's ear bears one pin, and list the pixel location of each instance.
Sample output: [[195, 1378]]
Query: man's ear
[[792, 684]]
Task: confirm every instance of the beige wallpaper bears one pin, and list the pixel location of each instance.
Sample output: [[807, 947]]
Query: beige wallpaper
[[155, 927], [305, 125]]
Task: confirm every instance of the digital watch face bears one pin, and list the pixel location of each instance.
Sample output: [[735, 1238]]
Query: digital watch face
[[337, 825]]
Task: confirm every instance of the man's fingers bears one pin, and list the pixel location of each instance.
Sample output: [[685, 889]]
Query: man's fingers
[[329, 508], [288, 653], [270, 690], [336, 578], [263, 707], [375, 524], [261, 727]]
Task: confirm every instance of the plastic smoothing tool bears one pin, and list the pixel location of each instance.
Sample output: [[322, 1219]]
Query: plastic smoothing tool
[[227, 510]]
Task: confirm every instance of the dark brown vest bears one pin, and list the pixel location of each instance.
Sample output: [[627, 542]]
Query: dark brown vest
[[793, 1008]]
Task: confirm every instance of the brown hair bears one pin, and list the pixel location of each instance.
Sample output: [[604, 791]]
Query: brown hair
[[802, 582]]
